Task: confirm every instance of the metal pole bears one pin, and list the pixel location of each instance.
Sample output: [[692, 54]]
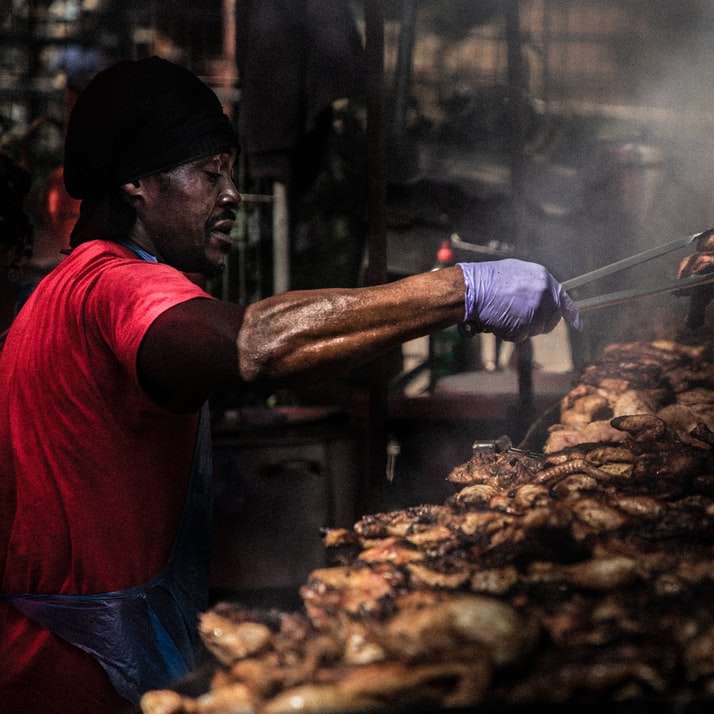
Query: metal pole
[[547, 36], [34, 108], [376, 170], [235, 262], [229, 53], [518, 91], [402, 154], [403, 72], [375, 435], [281, 239]]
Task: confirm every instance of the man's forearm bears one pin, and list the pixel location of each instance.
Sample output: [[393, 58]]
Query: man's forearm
[[334, 329]]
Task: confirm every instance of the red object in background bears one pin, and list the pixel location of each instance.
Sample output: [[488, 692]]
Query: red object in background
[[59, 210], [445, 255]]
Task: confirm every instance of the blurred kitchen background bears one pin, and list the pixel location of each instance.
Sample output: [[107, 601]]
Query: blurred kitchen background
[[570, 132]]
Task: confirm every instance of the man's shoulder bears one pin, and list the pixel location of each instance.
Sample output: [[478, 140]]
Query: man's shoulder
[[101, 275], [94, 251], [104, 262], [90, 256]]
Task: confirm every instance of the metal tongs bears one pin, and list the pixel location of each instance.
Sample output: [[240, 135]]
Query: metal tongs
[[502, 445], [469, 329], [617, 298]]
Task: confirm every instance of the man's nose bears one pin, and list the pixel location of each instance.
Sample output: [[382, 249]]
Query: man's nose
[[230, 196]]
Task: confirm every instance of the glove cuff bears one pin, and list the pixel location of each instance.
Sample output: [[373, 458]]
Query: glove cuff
[[469, 290]]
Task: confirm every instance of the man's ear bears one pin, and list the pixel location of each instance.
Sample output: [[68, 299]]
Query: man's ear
[[134, 191]]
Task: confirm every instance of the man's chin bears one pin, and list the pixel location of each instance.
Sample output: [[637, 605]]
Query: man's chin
[[214, 262], [213, 270]]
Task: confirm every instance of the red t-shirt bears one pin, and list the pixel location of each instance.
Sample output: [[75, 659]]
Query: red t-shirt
[[99, 472]]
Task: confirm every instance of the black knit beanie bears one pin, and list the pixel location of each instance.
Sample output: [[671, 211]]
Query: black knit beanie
[[137, 118]]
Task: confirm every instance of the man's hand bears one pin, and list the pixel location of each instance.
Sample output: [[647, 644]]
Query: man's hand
[[699, 263], [515, 300]]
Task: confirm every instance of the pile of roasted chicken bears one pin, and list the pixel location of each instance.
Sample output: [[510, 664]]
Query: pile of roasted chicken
[[585, 573]]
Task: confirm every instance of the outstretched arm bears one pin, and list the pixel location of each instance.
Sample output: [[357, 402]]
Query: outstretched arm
[[201, 344]]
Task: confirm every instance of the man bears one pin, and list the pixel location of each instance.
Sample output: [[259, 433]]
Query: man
[[103, 459]]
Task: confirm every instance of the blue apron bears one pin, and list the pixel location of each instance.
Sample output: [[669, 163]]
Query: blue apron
[[144, 637]]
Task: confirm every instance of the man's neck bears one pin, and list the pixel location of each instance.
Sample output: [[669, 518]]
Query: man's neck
[[140, 252], [139, 237], [102, 218]]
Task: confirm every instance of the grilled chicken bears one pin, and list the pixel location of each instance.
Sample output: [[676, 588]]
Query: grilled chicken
[[585, 574]]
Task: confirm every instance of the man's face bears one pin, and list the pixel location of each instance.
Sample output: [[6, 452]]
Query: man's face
[[189, 211]]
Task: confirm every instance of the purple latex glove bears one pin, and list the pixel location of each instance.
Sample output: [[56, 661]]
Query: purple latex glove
[[514, 299]]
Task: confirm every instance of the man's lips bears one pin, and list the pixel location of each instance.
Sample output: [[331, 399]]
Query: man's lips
[[224, 225], [219, 233]]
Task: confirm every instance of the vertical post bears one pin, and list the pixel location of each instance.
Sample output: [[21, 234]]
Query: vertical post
[[402, 156], [547, 35], [403, 72], [518, 91], [34, 108], [236, 258], [375, 432], [228, 12], [281, 239], [376, 169]]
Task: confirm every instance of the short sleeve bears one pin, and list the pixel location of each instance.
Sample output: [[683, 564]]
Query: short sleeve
[[128, 296]]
